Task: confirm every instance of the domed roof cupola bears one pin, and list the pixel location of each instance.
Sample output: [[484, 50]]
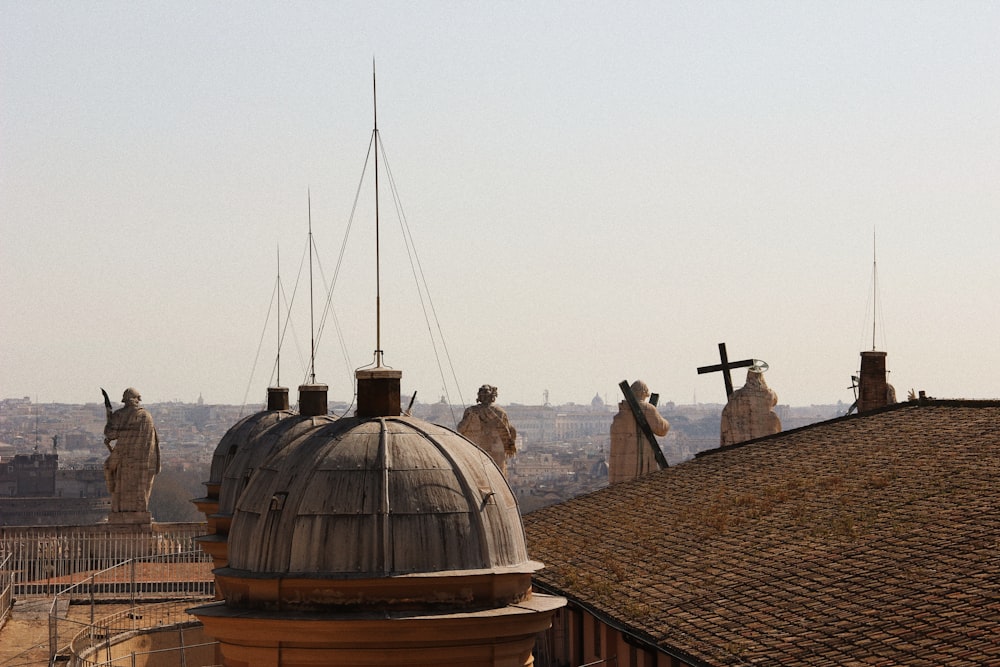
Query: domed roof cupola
[[230, 443], [393, 495], [377, 539], [399, 495], [244, 446], [374, 527]]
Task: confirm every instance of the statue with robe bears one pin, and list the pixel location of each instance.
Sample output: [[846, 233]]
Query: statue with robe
[[487, 425], [750, 412], [631, 453], [134, 460]]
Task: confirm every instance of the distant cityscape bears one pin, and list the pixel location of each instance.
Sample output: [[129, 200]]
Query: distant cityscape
[[562, 449]]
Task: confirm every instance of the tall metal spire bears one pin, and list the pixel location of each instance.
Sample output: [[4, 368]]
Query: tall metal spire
[[278, 299], [378, 278], [312, 328], [874, 287]]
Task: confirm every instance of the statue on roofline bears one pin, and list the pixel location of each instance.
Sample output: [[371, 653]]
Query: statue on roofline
[[750, 411], [134, 460], [631, 453], [487, 425]]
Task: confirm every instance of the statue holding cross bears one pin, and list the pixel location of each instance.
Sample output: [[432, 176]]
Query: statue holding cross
[[634, 450], [725, 366], [750, 414], [749, 411]]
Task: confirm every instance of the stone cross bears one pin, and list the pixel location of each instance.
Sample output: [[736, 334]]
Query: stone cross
[[725, 367]]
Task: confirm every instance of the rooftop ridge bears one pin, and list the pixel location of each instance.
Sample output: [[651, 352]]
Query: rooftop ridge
[[913, 403]]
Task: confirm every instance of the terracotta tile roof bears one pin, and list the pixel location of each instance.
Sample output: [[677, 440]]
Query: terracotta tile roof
[[871, 540]]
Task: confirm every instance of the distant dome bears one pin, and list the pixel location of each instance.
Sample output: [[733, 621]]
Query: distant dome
[[597, 401], [375, 498]]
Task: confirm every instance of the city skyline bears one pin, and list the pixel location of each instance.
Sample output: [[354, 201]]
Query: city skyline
[[593, 193]]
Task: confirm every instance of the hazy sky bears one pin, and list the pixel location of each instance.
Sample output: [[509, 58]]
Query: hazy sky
[[595, 192]]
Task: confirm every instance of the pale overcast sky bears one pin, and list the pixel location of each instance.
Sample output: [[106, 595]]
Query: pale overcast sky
[[596, 192]]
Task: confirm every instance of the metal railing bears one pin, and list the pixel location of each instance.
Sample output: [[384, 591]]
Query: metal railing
[[43, 561], [157, 656], [6, 590], [94, 645], [178, 578]]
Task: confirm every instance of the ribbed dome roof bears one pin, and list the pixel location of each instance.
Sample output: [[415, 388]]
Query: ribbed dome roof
[[238, 435], [261, 444], [377, 497]]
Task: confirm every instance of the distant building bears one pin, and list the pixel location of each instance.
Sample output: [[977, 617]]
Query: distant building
[[35, 492]]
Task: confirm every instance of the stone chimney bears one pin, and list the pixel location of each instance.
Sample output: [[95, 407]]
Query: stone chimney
[[378, 392], [873, 389], [312, 400], [277, 398]]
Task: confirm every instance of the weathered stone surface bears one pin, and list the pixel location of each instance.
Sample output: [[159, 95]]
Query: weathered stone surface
[[631, 454], [749, 413], [134, 460], [130, 518], [487, 425], [376, 541], [382, 497]]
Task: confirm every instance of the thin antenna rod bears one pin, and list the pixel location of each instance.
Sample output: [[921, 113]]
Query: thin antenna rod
[[312, 328], [278, 359], [874, 288], [378, 285]]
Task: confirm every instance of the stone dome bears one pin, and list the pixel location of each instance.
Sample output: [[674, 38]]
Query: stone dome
[[377, 497], [236, 451], [243, 431], [238, 435], [257, 448], [376, 539]]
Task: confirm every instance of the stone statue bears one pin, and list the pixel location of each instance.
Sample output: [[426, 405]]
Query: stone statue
[[486, 425], [631, 453], [134, 460], [750, 412]]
